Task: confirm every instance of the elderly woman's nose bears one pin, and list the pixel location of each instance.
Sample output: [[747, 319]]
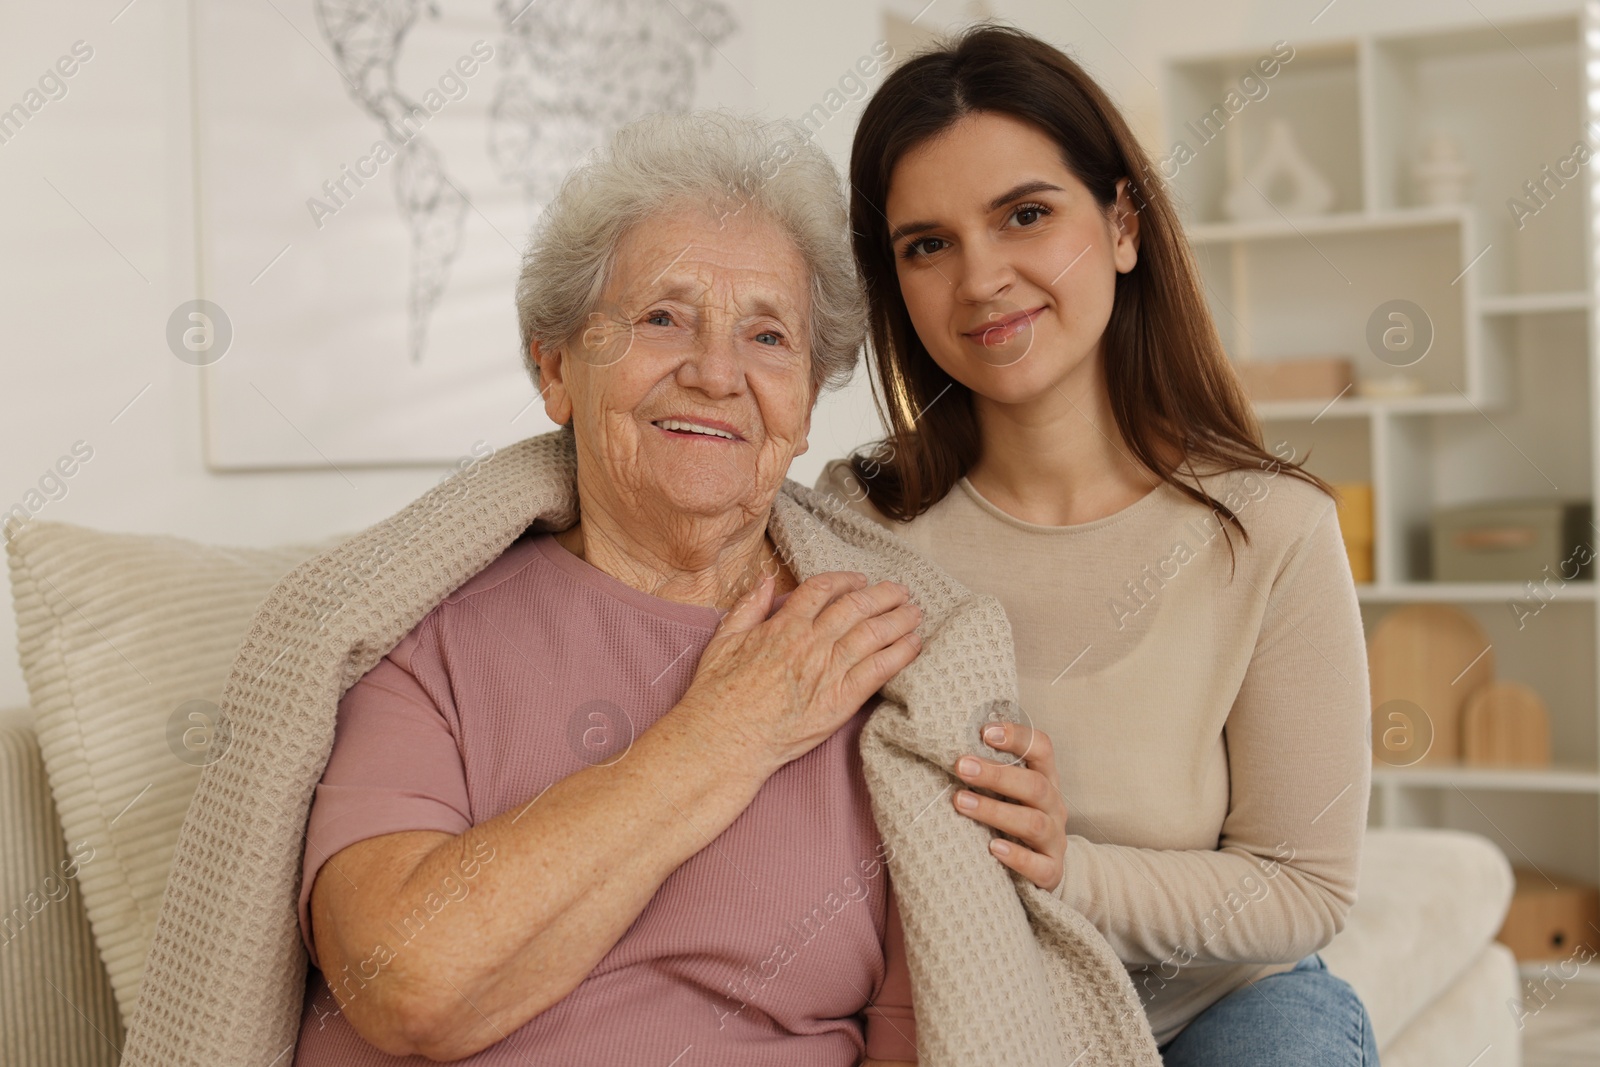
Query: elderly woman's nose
[[713, 365]]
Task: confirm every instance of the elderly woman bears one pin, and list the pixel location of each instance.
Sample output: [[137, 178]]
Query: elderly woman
[[569, 817]]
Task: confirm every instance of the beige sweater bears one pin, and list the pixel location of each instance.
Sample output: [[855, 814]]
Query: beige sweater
[[1211, 733], [1001, 971]]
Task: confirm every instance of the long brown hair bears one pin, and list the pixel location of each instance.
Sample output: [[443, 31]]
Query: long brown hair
[[1174, 393]]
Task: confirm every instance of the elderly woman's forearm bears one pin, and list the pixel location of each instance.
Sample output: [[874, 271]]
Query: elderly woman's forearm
[[571, 872]]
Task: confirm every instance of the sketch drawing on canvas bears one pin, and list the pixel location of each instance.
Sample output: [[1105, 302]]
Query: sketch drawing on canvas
[[570, 73], [579, 69]]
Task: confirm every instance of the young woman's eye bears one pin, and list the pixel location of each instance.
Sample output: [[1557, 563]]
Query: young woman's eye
[[769, 337], [1028, 214], [922, 246]]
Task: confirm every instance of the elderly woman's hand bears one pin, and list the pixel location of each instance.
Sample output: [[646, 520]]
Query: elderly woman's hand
[[1035, 813], [778, 687]]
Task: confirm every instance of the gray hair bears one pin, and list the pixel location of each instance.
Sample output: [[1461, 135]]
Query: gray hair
[[730, 163]]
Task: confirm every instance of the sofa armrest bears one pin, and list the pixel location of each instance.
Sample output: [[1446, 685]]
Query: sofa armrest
[[55, 999], [1428, 903]]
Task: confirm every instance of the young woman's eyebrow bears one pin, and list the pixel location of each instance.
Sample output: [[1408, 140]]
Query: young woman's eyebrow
[[910, 229], [1027, 188], [1016, 192]]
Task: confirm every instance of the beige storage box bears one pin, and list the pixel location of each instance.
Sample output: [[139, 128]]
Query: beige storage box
[[1513, 541], [1297, 378]]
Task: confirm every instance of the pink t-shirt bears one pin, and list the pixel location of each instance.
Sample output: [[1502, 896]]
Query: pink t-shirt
[[766, 947]]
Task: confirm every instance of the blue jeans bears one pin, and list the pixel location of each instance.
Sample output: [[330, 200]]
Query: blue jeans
[[1300, 1018]]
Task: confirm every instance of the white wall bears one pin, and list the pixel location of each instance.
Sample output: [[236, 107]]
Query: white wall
[[97, 239]]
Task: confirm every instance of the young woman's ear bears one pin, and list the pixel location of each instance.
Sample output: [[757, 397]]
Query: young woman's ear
[[551, 361], [1125, 216]]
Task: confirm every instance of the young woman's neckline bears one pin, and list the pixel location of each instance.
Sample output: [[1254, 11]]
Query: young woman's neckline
[[1138, 506]]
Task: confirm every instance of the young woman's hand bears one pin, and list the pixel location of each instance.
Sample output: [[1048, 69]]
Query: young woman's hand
[[1036, 813]]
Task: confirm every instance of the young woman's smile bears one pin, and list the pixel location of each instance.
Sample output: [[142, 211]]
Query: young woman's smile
[[1000, 330]]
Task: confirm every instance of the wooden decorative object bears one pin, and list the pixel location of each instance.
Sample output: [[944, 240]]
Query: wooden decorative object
[[1433, 656], [1548, 921], [1505, 724]]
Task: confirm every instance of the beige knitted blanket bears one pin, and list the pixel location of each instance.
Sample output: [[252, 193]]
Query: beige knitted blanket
[[1002, 972]]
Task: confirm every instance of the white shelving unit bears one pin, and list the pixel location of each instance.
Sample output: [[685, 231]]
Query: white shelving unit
[[1509, 387]]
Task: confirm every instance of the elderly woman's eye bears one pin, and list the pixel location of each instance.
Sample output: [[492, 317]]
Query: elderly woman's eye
[[769, 337], [659, 317]]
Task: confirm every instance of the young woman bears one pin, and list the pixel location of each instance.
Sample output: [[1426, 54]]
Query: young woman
[[1065, 433]]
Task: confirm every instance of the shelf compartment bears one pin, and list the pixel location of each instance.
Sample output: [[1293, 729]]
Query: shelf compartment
[[1465, 83], [1551, 650], [1280, 292], [1315, 91], [1530, 446], [1533, 445]]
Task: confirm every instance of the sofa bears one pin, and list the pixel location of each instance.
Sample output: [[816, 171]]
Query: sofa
[[125, 641]]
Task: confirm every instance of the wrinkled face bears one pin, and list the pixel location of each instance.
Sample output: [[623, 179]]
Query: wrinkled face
[[690, 390], [1006, 262]]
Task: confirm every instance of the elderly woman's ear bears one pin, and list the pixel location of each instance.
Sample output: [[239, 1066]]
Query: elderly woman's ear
[[557, 401]]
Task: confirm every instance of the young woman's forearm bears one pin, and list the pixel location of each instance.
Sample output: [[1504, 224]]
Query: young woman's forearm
[[1166, 908]]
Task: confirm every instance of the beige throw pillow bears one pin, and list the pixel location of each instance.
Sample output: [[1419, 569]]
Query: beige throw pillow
[[125, 643]]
